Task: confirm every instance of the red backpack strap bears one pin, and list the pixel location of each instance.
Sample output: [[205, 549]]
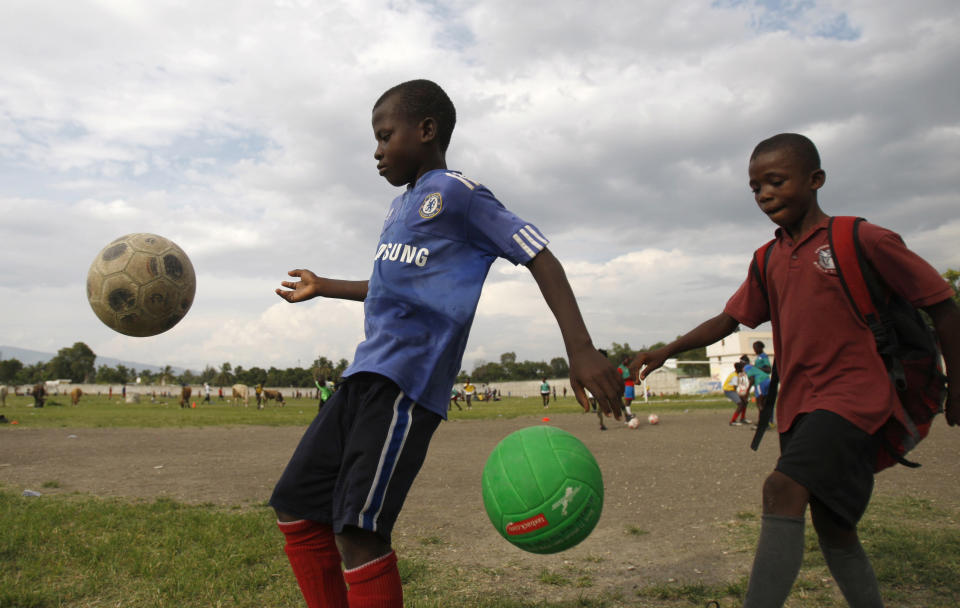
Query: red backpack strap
[[758, 267], [842, 233], [865, 290]]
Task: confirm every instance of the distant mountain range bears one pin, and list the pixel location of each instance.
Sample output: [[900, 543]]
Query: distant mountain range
[[29, 357]]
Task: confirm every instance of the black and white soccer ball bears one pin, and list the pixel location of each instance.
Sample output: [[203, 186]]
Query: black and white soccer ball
[[141, 284]]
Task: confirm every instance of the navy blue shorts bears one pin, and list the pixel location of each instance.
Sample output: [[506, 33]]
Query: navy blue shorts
[[833, 459], [358, 458]]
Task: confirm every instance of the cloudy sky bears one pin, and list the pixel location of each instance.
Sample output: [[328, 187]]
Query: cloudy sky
[[241, 131]]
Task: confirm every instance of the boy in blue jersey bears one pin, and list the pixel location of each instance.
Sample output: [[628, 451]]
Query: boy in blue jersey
[[346, 482], [762, 360], [759, 381]]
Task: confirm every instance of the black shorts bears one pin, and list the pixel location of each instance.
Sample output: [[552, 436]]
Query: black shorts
[[358, 458], [833, 459]]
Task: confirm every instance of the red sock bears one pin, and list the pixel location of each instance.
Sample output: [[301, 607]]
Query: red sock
[[375, 584], [316, 563]]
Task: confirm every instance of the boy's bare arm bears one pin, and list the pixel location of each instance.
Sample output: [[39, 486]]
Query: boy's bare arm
[[588, 368], [310, 286], [946, 319], [706, 333]]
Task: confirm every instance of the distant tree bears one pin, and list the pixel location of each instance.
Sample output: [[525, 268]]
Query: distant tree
[[508, 363], [274, 377], [9, 369], [531, 370], [559, 367], [487, 372], [953, 277], [75, 362], [109, 375], [224, 378], [166, 375], [188, 377], [324, 368], [31, 374], [253, 376], [617, 351]]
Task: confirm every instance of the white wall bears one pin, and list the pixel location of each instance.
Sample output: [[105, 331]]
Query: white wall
[[723, 354]]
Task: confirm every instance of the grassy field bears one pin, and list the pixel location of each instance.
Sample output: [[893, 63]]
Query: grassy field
[[78, 551], [98, 411]]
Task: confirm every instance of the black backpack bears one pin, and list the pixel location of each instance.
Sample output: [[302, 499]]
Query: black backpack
[[907, 345]]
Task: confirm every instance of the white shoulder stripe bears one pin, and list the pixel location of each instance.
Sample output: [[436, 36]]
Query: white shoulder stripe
[[466, 182]]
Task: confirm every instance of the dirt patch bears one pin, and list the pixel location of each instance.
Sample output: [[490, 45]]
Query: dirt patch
[[673, 492]]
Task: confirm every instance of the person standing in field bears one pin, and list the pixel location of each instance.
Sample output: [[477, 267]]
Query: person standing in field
[[759, 381], [340, 494], [761, 359], [468, 392], [323, 391], [628, 386], [730, 390], [545, 392], [835, 393]]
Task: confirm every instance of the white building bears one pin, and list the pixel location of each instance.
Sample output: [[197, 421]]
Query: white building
[[723, 354]]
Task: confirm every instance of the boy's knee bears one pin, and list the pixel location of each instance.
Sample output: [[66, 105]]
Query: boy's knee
[[359, 546], [285, 517], [784, 496], [831, 532]]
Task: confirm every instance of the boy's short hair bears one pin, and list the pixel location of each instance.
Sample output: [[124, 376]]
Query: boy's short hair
[[798, 145], [420, 99], [745, 360], [758, 343], [738, 366]]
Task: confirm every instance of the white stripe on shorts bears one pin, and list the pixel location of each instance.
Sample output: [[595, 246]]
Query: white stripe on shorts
[[384, 453]]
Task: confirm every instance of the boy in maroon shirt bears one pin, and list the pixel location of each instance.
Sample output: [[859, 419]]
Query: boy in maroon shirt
[[835, 393]]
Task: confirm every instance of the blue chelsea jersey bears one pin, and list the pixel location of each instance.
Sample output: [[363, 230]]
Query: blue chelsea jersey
[[438, 242]]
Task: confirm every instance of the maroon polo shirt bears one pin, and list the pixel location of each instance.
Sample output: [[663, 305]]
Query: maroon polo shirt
[[826, 357]]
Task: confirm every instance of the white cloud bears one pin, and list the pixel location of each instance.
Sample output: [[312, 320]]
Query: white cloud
[[241, 131]]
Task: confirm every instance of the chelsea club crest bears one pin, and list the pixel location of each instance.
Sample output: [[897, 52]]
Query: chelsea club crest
[[431, 206]]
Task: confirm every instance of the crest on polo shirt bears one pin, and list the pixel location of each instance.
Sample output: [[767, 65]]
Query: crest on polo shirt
[[431, 206], [825, 261]]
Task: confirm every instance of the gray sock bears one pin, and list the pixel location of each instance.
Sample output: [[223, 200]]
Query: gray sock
[[851, 569], [777, 561]]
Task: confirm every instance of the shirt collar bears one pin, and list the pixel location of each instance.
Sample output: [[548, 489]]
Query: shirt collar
[[781, 235]]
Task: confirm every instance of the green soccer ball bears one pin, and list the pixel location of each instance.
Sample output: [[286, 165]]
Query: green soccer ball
[[542, 489]]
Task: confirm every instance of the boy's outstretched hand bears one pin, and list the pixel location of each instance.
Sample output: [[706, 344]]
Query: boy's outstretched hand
[[645, 363], [592, 370], [297, 291]]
